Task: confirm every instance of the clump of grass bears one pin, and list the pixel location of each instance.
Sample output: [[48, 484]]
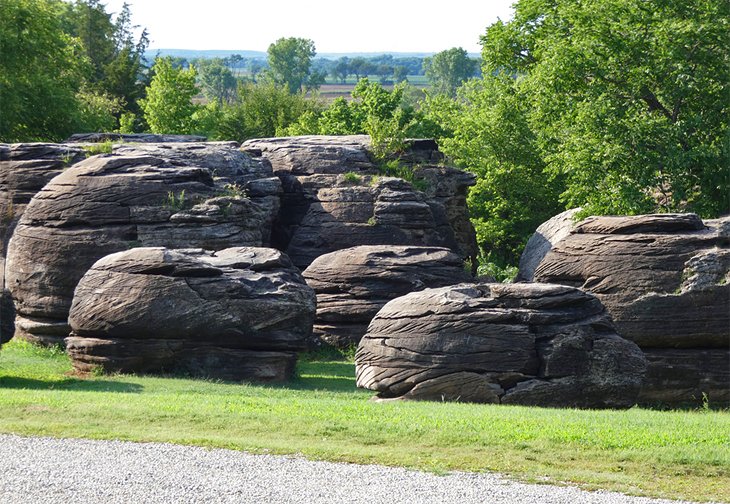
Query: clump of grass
[[372, 221], [175, 202], [234, 190], [394, 168], [352, 178], [99, 148]]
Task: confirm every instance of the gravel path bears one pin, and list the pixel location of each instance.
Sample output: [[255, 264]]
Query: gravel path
[[36, 470]]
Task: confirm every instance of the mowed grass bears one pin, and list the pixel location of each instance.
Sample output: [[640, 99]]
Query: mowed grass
[[321, 415]]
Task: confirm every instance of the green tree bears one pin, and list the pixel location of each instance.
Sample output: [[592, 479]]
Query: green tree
[[217, 81], [290, 60], [168, 107], [261, 110], [630, 99], [487, 132], [449, 69], [40, 72]]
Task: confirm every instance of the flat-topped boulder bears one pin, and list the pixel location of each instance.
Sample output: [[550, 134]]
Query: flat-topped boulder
[[531, 344], [665, 280], [336, 196], [132, 137], [239, 314], [353, 284], [168, 195]]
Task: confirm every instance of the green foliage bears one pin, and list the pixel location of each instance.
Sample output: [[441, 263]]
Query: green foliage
[[99, 148], [290, 61], [629, 99], [97, 111], [175, 202], [352, 178], [234, 190], [449, 69], [394, 168], [40, 72], [116, 60], [127, 122], [504, 274], [679, 454], [217, 81], [168, 107], [489, 135], [261, 110]]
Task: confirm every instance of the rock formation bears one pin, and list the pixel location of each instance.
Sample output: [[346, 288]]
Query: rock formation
[[177, 195], [336, 197], [237, 314], [24, 170], [533, 344], [353, 284], [132, 137], [665, 280], [542, 240]]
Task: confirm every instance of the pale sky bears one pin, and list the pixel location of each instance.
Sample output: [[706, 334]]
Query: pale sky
[[334, 25]]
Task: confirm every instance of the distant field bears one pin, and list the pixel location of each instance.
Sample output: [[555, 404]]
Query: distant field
[[321, 415]]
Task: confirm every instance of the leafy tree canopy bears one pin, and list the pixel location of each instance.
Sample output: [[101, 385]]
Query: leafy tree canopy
[[449, 69], [168, 107], [290, 60], [629, 99]]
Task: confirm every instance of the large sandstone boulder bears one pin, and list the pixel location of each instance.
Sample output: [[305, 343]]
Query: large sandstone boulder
[[239, 313], [145, 195], [353, 284], [665, 279], [336, 197], [24, 169], [533, 344], [542, 240]]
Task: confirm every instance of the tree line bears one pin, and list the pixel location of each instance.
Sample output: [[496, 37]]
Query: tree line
[[620, 106]]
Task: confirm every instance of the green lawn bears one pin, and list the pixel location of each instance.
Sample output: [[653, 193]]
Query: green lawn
[[677, 454]]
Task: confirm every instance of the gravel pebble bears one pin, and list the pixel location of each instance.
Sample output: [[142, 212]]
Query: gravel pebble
[[82, 471]]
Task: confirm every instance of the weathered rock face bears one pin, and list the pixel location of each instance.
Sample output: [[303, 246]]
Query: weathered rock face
[[353, 284], [335, 198], [547, 234], [665, 279], [240, 313], [24, 170], [534, 344], [153, 196]]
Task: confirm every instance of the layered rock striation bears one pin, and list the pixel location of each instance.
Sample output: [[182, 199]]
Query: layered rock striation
[[353, 284], [532, 344], [336, 196], [665, 279], [179, 195], [237, 314]]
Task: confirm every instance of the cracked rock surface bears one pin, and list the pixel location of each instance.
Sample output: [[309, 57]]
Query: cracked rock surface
[[353, 284], [207, 195], [336, 197], [665, 280], [24, 170], [533, 344], [237, 314]]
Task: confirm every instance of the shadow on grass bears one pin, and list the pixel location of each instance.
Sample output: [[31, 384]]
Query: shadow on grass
[[9, 382], [333, 376]]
